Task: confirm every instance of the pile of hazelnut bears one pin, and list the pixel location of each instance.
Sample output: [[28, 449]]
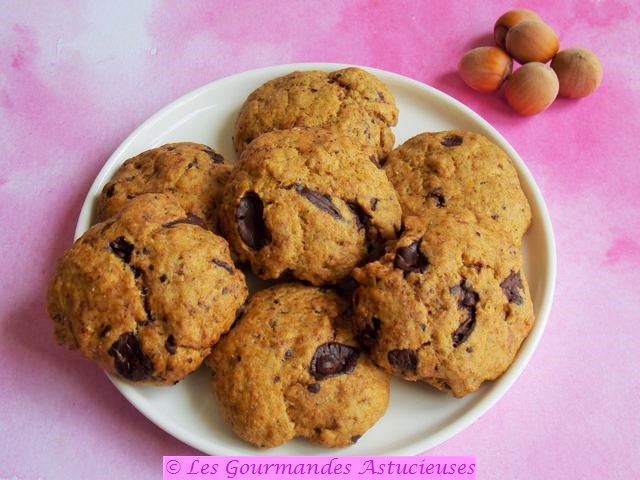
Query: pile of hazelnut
[[521, 35]]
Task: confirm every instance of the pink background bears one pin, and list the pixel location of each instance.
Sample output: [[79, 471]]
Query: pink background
[[77, 77]]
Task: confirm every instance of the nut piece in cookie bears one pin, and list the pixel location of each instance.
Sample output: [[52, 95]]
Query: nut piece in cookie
[[308, 203], [448, 305], [291, 367], [351, 102], [464, 170], [146, 293], [193, 173]]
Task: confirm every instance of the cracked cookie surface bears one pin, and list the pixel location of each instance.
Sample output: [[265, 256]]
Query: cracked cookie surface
[[193, 173], [309, 203], [456, 169], [146, 293], [291, 367], [350, 101], [448, 304]]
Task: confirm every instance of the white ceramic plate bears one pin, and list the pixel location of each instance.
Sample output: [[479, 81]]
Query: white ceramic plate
[[418, 417]]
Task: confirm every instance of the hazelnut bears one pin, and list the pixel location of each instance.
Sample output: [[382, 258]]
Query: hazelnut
[[579, 72], [531, 88], [532, 41], [508, 20], [485, 68]]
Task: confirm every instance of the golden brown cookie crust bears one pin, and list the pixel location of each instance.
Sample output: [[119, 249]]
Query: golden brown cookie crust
[[146, 293], [274, 381], [350, 101], [193, 173], [457, 169], [449, 304], [309, 203]]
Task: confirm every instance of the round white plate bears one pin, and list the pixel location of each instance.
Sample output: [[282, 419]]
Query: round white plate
[[418, 417]]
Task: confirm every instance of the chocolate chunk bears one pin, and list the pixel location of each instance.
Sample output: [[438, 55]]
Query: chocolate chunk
[[170, 344], [110, 190], [313, 387], [216, 157], [411, 259], [438, 196], [250, 221], [403, 359], [223, 264], [122, 249], [374, 204], [375, 161], [368, 336], [451, 141], [467, 300], [104, 330], [320, 200], [190, 219], [361, 217], [331, 359], [512, 288], [129, 359]]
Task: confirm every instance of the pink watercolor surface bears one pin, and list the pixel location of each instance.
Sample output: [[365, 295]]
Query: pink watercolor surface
[[77, 77]]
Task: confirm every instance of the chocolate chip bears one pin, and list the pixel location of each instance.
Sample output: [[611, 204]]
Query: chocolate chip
[[320, 200], [438, 196], [163, 278], [276, 379], [355, 438], [512, 288], [170, 344], [411, 258], [190, 219], [403, 359], [469, 349], [375, 161], [216, 157], [451, 141], [110, 190], [331, 359], [361, 217], [223, 264], [104, 330], [288, 354], [374, 204], [129, 359], [313, 387], [467, 300], [137, 272], [381, 96], [368, 336], [250, 221], [147, 306], [122, 249]]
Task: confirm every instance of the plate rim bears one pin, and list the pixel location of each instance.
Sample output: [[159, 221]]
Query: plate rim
[[499, 387]]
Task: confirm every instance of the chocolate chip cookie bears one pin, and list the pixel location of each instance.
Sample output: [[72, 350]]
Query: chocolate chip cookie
[[456, 169], [448, 304], [146, 293], [291, 367], [193, 173], [309, 203], [350, 101]]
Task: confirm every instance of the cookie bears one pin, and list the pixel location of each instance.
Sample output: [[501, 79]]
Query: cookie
[[146, 293], [350, 101], [454, 169], [193, 173], [308, 203], [449, 304], [291, 367]]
